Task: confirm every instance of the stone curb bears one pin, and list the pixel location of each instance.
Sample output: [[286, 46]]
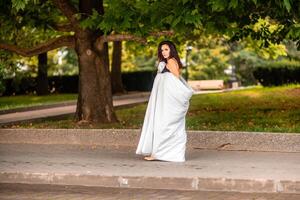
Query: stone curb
[[68, 103], [174, 183], [128, 138]]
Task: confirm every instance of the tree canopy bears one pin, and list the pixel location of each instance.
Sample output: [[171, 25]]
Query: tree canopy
[[142, 17]]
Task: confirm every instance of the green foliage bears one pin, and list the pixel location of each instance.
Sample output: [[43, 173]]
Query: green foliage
[[30, 25], [292, 52], [62, 61], [12, 66], [125, 16], [259, 25], [186, 17], [91, 22], [19, 4], [26, 24], [209, 58], [290, 64], [244, 14], [278, 73], [248, 53], [136, 57], [244, 62], [2, 85], [287, 5], [294, 34]]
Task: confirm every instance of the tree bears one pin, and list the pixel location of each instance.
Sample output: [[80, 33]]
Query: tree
[[42, 78], [116, 78], [90, 24]]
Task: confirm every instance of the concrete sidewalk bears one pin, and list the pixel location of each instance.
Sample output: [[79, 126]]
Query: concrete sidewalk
[[63, 109], [205, 170]]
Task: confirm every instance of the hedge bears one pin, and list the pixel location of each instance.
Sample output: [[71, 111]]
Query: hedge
[[132, 81], [278, 73]]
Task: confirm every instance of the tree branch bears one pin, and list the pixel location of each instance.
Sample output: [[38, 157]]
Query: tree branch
[[55, 43], [68, 10], [120, 37], [127, 37], [63, 27], [162, 33]]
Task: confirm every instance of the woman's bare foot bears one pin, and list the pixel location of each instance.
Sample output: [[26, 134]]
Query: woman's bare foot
[[149, 158]]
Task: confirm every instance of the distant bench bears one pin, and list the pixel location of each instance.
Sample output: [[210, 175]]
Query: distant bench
[[207, 84]]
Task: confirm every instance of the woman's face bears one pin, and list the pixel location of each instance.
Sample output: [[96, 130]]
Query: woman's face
[[165, 51]]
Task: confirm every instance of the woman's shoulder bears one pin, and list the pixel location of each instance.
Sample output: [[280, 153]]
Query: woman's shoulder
[[173, 62]]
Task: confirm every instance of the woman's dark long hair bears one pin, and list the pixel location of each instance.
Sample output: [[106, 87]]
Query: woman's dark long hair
[[173, 52]]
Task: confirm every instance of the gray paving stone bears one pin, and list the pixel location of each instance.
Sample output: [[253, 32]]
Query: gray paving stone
[[211, 170], [43, 192]]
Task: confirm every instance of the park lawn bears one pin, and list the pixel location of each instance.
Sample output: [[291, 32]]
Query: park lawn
[[21, 101], [275, 109], [269, 109]]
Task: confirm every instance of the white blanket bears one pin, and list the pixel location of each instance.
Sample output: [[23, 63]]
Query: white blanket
[[163, 134]]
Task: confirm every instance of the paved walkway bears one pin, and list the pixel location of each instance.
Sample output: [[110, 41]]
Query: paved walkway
[[67, 109], [206, 170], [42, 192]]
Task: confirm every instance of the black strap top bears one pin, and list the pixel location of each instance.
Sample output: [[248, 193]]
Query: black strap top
[[165, 70]]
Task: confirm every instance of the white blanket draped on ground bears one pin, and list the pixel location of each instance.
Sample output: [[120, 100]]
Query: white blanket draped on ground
[[163, 133]]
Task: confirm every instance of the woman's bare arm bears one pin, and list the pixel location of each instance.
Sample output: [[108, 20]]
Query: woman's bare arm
[[172, 65]]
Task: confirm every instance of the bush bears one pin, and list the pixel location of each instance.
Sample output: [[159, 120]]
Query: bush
[[2, 82], [132, 81], [278, 73]]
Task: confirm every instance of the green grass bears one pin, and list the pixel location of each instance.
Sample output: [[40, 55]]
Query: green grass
[[21, 101], [273, 109]]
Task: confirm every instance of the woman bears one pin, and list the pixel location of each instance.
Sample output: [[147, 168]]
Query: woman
[[163, 135]]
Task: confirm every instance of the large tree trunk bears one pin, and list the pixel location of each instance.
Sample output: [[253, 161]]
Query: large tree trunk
[[42, 78], [95, 98], [116, 76]]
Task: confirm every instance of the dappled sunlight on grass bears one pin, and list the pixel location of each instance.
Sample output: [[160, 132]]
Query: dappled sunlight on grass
[[252, 94], [11, 102], [266, 109]]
